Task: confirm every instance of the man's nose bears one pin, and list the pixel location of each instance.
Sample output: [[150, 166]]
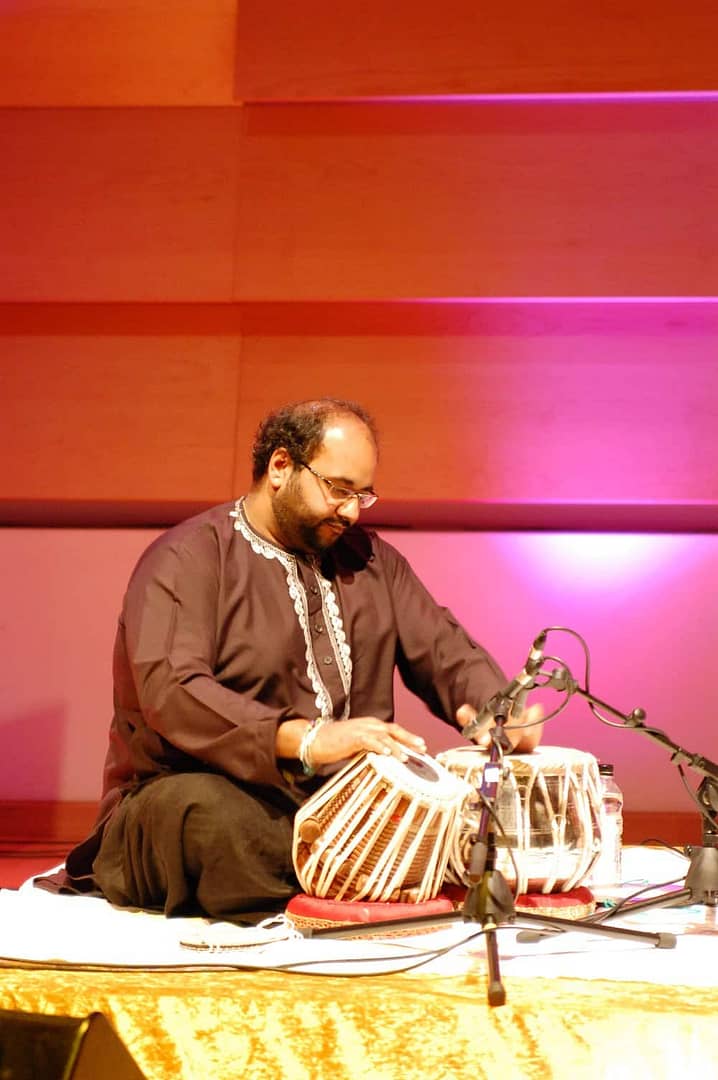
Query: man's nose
[[350, 511]]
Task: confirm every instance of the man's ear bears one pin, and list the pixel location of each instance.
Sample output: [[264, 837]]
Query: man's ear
[[280, 467]]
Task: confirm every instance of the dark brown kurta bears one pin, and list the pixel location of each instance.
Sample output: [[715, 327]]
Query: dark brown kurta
[[223, 636]]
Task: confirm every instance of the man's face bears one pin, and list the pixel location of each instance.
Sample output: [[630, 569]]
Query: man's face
[[309, 516]]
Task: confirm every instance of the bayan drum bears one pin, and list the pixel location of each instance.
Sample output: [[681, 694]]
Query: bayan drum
[[379, 830], [548, 808]]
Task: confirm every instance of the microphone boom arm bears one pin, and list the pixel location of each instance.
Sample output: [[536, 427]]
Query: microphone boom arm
[[707, 793], [635, 721]]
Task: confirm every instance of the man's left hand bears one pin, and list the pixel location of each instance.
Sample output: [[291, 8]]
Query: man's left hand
[[523, 731]]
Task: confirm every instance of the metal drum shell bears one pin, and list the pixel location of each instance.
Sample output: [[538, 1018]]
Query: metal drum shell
[[549, 809], [379, 830]]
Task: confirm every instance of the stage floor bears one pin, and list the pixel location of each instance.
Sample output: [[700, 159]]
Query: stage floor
[[198, 1001]]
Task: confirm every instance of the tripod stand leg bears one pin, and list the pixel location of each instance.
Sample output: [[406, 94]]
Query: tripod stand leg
[[496, 991], [553, 924], [489, 901]]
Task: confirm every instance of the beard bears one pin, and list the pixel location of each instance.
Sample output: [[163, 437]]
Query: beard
[[301, 529]]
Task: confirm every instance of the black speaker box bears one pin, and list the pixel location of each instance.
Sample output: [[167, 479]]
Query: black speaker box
[[36, 1047]]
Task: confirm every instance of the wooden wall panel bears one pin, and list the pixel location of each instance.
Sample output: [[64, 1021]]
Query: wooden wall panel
[[117, 204], [110, 419], [299, 228], [211, 52], [509, 199], [504, 415], [528, 404], [321, 50], [111, 52]]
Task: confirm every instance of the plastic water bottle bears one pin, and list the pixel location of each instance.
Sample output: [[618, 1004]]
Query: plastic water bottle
[[607, 868]]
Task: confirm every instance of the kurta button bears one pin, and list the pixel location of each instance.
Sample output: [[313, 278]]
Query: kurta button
[[318, 629], [314, 589], [327, 660]]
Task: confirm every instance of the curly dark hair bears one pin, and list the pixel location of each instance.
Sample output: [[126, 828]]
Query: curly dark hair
[[300, 428]]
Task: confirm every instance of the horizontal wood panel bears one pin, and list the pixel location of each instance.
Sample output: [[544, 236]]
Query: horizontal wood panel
[[323, 50], [116, 418], [109, 52], [216, 51], [429, 514], [677, 829], [360, 202], [513, 199], [41, 822], [493, 415], [691, 318], [535, 404], [117, 204], [122, 319]]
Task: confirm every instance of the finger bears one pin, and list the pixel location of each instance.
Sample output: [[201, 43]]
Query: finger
[[391, 738], [465, 714], [408, 738], [526, 720], [528, 736], [379, 743], [532, 715]]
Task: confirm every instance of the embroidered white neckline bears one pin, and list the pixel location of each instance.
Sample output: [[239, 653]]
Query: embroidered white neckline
[[330, 608]]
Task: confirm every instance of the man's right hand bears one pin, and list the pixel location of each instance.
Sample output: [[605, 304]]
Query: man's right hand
[[342, 739], [336, 741]]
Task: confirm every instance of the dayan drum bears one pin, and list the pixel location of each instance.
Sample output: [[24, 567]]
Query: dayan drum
[[379, 830], [548, 806]]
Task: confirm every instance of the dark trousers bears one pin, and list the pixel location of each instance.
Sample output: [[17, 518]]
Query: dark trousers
[[197, 843]]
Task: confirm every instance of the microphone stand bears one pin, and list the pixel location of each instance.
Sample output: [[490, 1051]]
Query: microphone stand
[[701, 883], [489, 899]]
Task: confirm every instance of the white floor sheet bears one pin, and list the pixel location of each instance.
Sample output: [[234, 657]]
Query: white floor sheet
[[38, 927]]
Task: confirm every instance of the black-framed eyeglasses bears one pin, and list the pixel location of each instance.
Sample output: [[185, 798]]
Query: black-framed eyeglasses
[[340, 495]]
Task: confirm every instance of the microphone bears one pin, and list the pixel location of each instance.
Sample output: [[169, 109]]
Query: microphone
[[516, 692]]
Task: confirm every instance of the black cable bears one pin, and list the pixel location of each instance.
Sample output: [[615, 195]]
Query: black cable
[[623, 905], [704, 811], [426, 955], [656, 841], [573, 687]]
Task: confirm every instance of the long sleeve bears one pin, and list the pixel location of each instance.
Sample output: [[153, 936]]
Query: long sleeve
[[169, 634], [196, 682]]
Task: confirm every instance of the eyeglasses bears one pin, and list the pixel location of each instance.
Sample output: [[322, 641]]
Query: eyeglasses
[[340, 495]]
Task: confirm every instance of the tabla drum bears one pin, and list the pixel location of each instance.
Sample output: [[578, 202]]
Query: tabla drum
[[548, 807], [379, 830]]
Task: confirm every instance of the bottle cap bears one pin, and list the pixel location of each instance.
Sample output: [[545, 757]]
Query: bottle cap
[[604, 769]]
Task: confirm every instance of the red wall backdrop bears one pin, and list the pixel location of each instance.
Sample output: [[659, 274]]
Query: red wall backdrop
[[494, 225]]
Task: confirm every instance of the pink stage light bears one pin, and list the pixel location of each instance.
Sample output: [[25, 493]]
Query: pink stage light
[[587, 563]]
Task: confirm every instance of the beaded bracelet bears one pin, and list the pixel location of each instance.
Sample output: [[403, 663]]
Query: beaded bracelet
[[305, 746]]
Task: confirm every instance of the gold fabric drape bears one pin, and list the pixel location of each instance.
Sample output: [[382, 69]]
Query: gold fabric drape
[[222, 1025]]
